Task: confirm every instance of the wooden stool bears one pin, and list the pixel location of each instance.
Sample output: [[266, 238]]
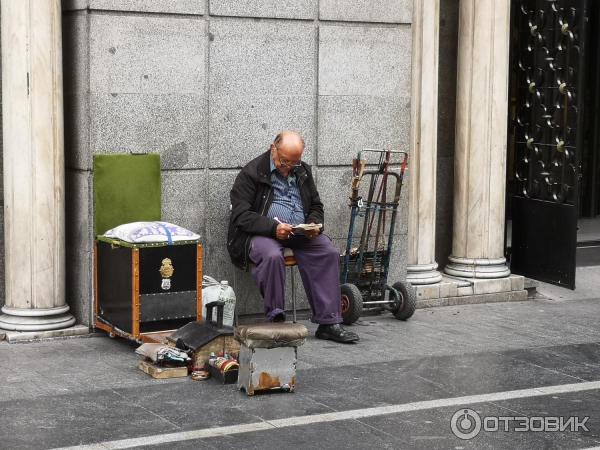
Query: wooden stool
[[290, 261]]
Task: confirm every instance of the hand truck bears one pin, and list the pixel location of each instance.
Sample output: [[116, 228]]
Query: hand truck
[[364, 268]]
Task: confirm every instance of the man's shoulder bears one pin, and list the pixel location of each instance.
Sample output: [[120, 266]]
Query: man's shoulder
[[251, 172], [261, 162]]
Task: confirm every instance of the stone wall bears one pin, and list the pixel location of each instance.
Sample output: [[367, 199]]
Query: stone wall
[[208, 85]]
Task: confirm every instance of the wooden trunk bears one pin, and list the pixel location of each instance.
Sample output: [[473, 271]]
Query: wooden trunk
[[132, 298]]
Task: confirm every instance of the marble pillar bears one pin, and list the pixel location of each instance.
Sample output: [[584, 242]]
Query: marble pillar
[[423, 162], [32, 114], [481, 134]]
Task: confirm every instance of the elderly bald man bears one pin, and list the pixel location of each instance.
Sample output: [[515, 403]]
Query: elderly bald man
[[271, 194]]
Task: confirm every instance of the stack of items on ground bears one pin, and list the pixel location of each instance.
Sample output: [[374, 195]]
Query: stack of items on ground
[[163, 361], [208, 346], [258, 357]]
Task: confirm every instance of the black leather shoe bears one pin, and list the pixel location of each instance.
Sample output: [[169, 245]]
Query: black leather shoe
[[336, 333], [279, 318]]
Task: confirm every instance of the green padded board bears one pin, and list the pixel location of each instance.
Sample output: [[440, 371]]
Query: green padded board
[[126, 189]]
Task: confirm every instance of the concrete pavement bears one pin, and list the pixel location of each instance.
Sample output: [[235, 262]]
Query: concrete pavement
[[83, 391]]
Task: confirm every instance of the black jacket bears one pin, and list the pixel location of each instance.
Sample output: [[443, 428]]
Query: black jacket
[[251, 197]]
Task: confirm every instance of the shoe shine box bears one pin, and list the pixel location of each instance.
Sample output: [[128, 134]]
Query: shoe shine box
[[268, 356], [141, 291]]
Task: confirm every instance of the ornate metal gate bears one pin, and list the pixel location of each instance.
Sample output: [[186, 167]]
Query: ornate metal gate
[[547, 80]]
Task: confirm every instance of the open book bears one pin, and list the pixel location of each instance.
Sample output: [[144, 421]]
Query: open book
[[307, 227]]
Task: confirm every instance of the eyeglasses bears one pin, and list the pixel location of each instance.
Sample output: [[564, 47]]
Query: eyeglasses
[[285, 163]]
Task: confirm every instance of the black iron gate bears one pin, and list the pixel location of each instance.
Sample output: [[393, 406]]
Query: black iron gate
[[547, 80]]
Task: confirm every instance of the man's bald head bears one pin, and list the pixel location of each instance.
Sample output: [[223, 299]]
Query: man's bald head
[[289, 139], [286, 150]]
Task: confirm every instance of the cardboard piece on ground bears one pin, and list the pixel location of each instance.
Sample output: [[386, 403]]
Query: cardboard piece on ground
[[162, 372]]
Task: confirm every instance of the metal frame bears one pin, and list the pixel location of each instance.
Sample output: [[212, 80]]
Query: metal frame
[[135, 293], [370, 208]]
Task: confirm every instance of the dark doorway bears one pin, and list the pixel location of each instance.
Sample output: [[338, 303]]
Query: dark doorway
[[588, 233], [553, 187]]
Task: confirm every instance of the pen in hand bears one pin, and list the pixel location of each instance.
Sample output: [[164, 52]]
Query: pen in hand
[[279, 221]]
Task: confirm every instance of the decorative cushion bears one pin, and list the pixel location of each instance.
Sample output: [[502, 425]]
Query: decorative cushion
[[140, 232]]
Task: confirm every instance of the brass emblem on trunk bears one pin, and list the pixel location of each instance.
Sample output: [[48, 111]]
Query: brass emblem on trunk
[[166, 272], [166, 269]]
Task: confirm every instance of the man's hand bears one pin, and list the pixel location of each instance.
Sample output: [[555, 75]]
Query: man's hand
[[311, 233], [284, 231]]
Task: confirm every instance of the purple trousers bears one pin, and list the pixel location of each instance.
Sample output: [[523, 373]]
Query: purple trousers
[[319, 265]]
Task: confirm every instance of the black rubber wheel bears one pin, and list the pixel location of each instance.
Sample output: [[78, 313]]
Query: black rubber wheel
[[407, 303], [352, 303]]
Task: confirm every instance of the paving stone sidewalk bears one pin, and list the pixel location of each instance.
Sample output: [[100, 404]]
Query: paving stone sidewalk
[[84, 390]]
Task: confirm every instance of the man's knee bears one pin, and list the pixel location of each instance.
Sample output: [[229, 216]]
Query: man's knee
[[331, 251], [264, 251], [272, 256]]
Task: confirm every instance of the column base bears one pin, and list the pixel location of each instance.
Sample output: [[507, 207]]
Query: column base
[[24, 319], [418, 274], [477, 268]]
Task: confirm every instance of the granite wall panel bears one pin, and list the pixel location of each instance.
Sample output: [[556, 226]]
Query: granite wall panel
[[184, 194], [288, 9], [209, 86], [145, 6], [147, 88], [173, 125], [75, 28], [364, 90], [392, 11], [79, 244], [262, 80]]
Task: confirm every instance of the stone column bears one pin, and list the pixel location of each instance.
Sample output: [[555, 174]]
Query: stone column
[[32, 117], [423, 162], [481, 133]]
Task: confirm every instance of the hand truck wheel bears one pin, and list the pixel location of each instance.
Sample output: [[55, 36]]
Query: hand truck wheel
[[405, 306], [352, 303]]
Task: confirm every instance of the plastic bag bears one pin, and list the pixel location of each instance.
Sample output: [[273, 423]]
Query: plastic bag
[[212, 290]]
